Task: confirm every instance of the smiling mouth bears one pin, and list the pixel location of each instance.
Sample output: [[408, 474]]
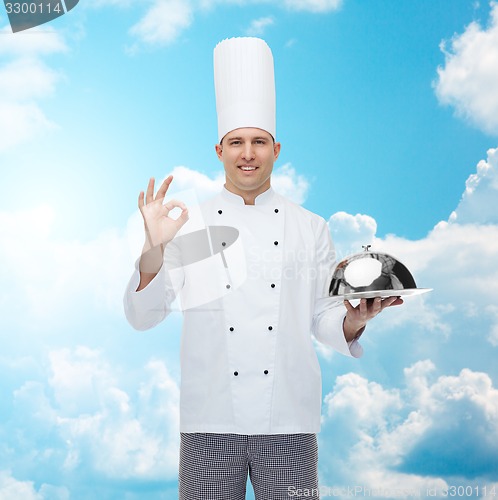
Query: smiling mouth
[[247, 168]]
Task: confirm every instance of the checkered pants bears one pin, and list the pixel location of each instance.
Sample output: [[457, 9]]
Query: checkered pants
[[215, 466]]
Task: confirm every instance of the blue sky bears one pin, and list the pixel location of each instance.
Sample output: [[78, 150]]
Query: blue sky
[[388, 117]]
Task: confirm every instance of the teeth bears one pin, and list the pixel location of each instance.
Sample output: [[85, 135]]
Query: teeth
[[248, 168]]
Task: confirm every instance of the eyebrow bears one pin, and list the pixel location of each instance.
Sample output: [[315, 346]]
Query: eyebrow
[[259, 137]]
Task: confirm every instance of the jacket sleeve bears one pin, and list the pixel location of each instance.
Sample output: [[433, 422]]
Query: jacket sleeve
[[148, 307], [329, 314]]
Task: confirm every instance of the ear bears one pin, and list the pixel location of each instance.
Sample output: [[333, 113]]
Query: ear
[[276, 150], [219, 151]]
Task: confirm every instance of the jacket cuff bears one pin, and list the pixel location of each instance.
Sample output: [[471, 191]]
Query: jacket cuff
[[152, 297]]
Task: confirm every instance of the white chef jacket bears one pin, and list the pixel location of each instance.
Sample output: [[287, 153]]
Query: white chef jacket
[[248, 364]]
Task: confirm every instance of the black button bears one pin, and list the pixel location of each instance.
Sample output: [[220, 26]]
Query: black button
[[228, 286], [231, 328], [220, 211], [276, 210], [223, 244], [235, 373], [275, 242], [266, 372], [270, 328], [273, 285]]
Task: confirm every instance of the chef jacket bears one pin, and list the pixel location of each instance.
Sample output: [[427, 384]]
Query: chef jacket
[[248, 363]]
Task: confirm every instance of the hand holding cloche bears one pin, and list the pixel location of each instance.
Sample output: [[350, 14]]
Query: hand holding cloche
[[357, 317]]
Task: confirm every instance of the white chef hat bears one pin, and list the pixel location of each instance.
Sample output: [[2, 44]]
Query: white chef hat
[[245, 85]]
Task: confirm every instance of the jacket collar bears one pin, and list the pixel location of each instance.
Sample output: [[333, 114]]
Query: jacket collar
[[262, 199]]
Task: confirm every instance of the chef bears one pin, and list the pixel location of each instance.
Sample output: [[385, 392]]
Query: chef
[[253, 284]]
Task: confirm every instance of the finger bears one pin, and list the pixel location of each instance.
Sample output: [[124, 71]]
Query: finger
[[363, 308], [150, 191], [376, 306], [391, 301], [141, 200], [397, 301], [171, 204], [182, 219], [161, 193], [349, 307]]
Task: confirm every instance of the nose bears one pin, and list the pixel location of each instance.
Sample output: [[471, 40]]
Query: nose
[[248, 152]]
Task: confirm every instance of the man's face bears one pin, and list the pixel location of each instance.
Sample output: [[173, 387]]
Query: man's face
[[248, 155]]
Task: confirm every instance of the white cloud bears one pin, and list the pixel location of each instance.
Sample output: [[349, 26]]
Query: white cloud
[[351, 232], [20, 122], [453, 258], [79, 379], [163, 22], [125, 437], [492, 310], [59, 282], [459, 263], [414, 437], [469, 78], [457, 259], [13, 489], [209, 4], [51, 492], [479, 201], [368, 399], [98, 425], [24, 79], [258, 26], [108, 3], [314, 5], [287, 182], [204, 186], [36, 42]]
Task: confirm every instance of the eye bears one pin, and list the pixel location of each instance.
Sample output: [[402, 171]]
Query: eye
[[235, 143], [260, 141]]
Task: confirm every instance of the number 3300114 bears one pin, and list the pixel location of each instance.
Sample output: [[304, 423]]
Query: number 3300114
[[32, 8]]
